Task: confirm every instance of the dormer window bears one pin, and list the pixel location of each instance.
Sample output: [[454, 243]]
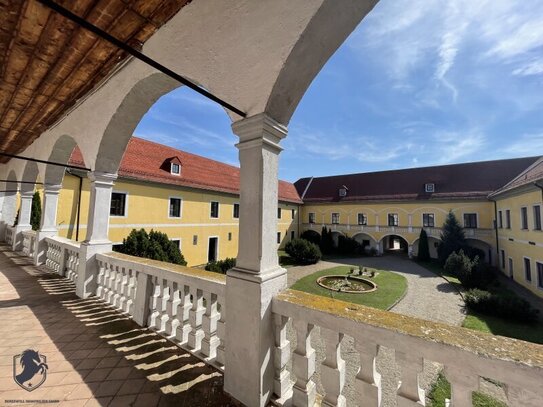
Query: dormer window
[[429, 187], [175, 169], [343, 191]]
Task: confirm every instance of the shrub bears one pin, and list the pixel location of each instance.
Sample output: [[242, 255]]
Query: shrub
[[311, 236], [303, 252], [452, 238], [327, 241], [221, 266], [35, 211], [473, 252], [462, 266], [153, 245], [424, 249], [506, 305], [347, 245]]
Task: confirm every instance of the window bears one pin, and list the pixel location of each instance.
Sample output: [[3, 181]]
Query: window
[[278, 213], [362, 219], [524, 218], [311, 217], [500, 220], [278, 237], [393, 219], [195, 240], [229, 236], [428, 220], [175, 207], [335, 218], [539, 267], [177, 242], [430, 187], [292, 213], [175, 169], [236, 211], [508, 219], [214, 209], [502, 252], [118, 204], [470, 220], [292, 235], [527, 269], [537, 217], [510, 267], [342, 192]]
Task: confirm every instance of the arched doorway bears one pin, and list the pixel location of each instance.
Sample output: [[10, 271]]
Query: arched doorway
[[395, 244]]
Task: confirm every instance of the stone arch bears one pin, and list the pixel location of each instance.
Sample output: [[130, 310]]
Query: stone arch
[[312, 235], [433, 241], [61, 153], [366, 240], [335, 236], [9, 205], [392, 242], [30, 174], [484, 246]]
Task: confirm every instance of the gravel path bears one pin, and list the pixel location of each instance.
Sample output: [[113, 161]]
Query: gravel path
[[428, 297]]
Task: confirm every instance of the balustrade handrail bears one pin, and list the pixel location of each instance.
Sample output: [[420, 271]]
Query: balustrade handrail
[[507, 360], [71, 244], [203, 279], [29, 232], [414, 229]]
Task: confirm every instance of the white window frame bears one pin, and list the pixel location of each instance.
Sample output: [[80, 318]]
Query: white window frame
[[178, 239], [233, 210], [476, 220], [126, 194], [527, 219], [433, 187], [364, 219], [218, 210], [332, 218], [279, 212], [511, 265], [171, 169], [217, 257], [422, 219], [538, 283], [278, 238], [314, 218], [524, 269], [540, 218], [499, 221], [180, 207], [502, 259], [398, 216]]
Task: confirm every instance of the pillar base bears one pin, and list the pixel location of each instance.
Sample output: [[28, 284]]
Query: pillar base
[[88, 267], [40, 253], [250, 335], [18, 236]]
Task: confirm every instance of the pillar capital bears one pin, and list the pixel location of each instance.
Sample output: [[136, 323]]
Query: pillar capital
[[27, 194], [259, 131], [52, 188], [102, 178]]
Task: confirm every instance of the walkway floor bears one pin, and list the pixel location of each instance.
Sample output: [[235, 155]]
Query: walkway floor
[[96, 356], [428, 297]]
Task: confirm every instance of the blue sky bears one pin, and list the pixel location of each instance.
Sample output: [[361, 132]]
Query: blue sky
[[419, 82]]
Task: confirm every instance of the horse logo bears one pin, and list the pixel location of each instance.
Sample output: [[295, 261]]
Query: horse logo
[[26, 367]]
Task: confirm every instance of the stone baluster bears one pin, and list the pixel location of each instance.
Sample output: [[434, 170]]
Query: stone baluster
[[111, 283], [142, 297], [333, 369], [368, 380], [195, 317], [117, 286], [462, 385], [304, 391], [171, 309], [409, 393], [130, 292], [183, 312], [162, 306], [107, 274], [153, 304], [221, 331], [209, 325], [123, 287], [281, 355], [100, 279]]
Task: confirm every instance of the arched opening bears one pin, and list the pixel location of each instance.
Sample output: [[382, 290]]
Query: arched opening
[[311, 235], [9, 205], [433, 244], [482, 249], [335, 237], [366, 241], [394, 244]]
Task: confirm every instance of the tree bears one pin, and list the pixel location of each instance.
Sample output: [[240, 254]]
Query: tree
[[327, 242], [153, 245], [35, 212], [424, 249], [303, 251], [452, 238]]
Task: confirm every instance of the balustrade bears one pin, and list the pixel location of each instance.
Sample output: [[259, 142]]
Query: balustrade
[[29, 242]]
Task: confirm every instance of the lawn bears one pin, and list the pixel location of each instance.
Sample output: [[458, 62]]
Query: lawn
[[390, 288], [285, 260], [441, 390]]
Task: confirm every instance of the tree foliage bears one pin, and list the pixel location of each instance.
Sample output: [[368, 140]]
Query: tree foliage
[[35, 212], [153, 245], [327, 241], [452, 238], [424, 249], [311, 236], [303, 251]]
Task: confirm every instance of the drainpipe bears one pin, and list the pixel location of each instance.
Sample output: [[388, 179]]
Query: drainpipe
[[496, 230], [78, 204]]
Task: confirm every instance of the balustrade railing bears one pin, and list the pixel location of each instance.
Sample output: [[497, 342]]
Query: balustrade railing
[[185, 305], [62, 256], [466, 355], [10, 235], [29, 242]]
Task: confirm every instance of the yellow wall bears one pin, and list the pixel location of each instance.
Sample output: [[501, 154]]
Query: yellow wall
[[518, 243], [148, 207]]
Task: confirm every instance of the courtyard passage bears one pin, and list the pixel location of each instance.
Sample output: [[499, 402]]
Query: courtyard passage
[[96, 356]]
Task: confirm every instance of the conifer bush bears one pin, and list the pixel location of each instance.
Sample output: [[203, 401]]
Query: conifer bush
[[221, 266], [303, 251], [35, 211], [452, 238], [424, 249]]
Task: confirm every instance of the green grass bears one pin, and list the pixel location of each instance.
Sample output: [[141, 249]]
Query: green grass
[[441, 390], [285, 260], [499, 326], [390, 288]]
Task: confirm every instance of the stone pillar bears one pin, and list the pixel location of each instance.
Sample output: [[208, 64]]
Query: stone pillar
[[48, 223], [24, 220], [97, 232], [257, 277]]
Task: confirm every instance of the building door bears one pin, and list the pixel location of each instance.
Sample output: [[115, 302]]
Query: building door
[[212, 249], [510, 267]]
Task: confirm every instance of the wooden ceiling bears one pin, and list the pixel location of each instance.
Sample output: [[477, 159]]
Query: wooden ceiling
[[47, 62]]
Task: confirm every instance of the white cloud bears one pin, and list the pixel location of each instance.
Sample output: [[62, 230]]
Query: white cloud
[[532, 68], [526, 145]]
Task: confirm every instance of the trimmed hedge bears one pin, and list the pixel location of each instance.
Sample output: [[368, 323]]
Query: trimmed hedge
[[221, 266], [507, 306], [303, 251], [472, 273]]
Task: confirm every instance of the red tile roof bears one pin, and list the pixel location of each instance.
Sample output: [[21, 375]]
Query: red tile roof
[[457, 181], [145, 160], [532, 175]]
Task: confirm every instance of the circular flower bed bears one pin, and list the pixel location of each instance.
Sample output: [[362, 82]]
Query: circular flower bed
[[347, 284]]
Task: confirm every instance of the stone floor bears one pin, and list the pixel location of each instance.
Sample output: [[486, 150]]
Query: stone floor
[[96, 356]]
